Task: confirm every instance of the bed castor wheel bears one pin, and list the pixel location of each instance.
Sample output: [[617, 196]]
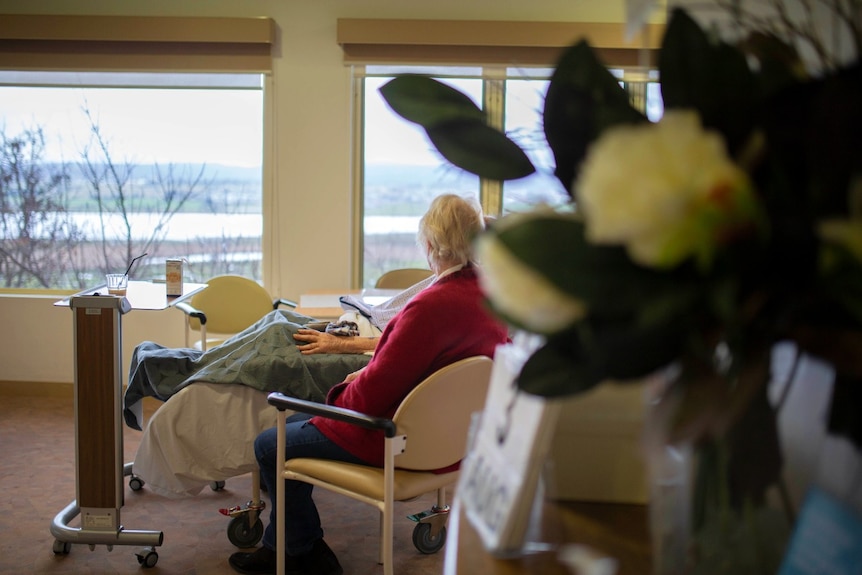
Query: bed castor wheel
[[425, 542], [136, 483], [62, 547], [147, 557], [243, 535]]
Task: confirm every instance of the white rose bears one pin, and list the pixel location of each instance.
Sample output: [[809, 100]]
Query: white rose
[[665, 191], [522, 293]]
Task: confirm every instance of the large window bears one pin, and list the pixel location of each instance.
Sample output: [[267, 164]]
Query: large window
[[525, 102], [402, 171], [98, 168], [402, 174]]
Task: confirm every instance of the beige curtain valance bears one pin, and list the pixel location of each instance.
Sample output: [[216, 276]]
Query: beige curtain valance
[[474, 42], [136, 43]]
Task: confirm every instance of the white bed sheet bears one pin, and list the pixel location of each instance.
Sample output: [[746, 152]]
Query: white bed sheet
[[203, 433]]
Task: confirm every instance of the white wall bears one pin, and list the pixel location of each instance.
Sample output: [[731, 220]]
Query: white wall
[[311, 147], [37, 341]]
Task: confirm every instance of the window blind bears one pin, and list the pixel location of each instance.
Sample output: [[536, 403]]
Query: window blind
[[136, 43], [475, 42]]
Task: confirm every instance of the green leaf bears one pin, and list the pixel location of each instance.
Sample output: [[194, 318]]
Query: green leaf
[[604, 277], [428, 102], [456, 127], [779, 62], [632, 350], [480, 149], [580, 359], [583, 100], [713, 78], [834, 141], [558, 369]]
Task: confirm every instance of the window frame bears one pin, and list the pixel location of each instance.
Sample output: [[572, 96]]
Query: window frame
[[162, 44], [494, 78]]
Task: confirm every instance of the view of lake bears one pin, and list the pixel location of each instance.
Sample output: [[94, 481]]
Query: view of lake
[[115, 173], [196, 226]]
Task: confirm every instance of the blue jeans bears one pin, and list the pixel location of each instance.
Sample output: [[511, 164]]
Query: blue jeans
[[302, 522]]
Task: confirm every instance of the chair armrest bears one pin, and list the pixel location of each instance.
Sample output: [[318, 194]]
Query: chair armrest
[[190, 311], [281, 301], [283, 402]]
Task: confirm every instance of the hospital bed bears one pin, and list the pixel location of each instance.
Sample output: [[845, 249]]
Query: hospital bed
[[215, 405]]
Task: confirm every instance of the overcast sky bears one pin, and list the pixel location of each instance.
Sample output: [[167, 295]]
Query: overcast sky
[[143, 126]]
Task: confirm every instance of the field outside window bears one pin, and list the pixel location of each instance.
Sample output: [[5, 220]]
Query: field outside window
[[96, 169]]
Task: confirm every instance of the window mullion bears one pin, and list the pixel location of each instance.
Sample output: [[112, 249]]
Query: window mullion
[[637, 92], [494, 104], [358, 176]]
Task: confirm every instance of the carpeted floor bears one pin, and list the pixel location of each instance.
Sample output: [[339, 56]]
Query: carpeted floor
[[37, 478]]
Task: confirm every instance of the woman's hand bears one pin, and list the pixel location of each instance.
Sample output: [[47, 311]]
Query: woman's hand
[[314, 341], [351, 376]]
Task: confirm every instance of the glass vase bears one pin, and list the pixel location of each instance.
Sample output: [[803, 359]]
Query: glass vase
[[712, 509], [670, 507], [668, 469]]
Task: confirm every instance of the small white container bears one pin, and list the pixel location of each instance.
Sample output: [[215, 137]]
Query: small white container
[[174, 277]]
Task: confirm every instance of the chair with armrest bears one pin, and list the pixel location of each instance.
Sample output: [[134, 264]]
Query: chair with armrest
[[228, 305], [428, 432], [402, 278]]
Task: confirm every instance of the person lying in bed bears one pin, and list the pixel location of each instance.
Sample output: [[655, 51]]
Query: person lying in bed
[[215, 402], [442, 324], [276, 353]]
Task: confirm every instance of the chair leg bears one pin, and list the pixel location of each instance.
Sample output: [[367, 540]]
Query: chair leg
[[388, 505], [281, 439], [381, 551], [441, 497], [387, 541], [255, 487]]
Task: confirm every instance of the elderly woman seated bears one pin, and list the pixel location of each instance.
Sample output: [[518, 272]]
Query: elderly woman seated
[[444, 323], [216, 400]]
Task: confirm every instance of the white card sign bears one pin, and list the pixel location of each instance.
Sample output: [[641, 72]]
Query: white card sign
[[500, 474]]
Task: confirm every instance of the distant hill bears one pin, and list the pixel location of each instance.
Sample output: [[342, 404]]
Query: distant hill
[[400, 190], [148, 171]]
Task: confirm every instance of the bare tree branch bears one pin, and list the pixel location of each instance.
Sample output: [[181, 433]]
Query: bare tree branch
[[112, 186], [811, 24], [37, 232]]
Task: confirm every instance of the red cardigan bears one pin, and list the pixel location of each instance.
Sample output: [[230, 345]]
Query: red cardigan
[[444, 323]]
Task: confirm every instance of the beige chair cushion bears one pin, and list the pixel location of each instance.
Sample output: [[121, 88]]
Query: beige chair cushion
[[368, 480]]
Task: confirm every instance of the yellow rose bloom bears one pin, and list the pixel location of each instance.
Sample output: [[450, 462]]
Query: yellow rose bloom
[[665, 191]]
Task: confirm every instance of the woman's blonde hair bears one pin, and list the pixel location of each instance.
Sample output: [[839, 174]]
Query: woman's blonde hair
[[449, 227]]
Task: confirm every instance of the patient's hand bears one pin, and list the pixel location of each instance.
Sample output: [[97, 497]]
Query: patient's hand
[[314, 341]]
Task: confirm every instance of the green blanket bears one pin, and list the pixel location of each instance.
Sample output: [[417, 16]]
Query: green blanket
[[264, 356]]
